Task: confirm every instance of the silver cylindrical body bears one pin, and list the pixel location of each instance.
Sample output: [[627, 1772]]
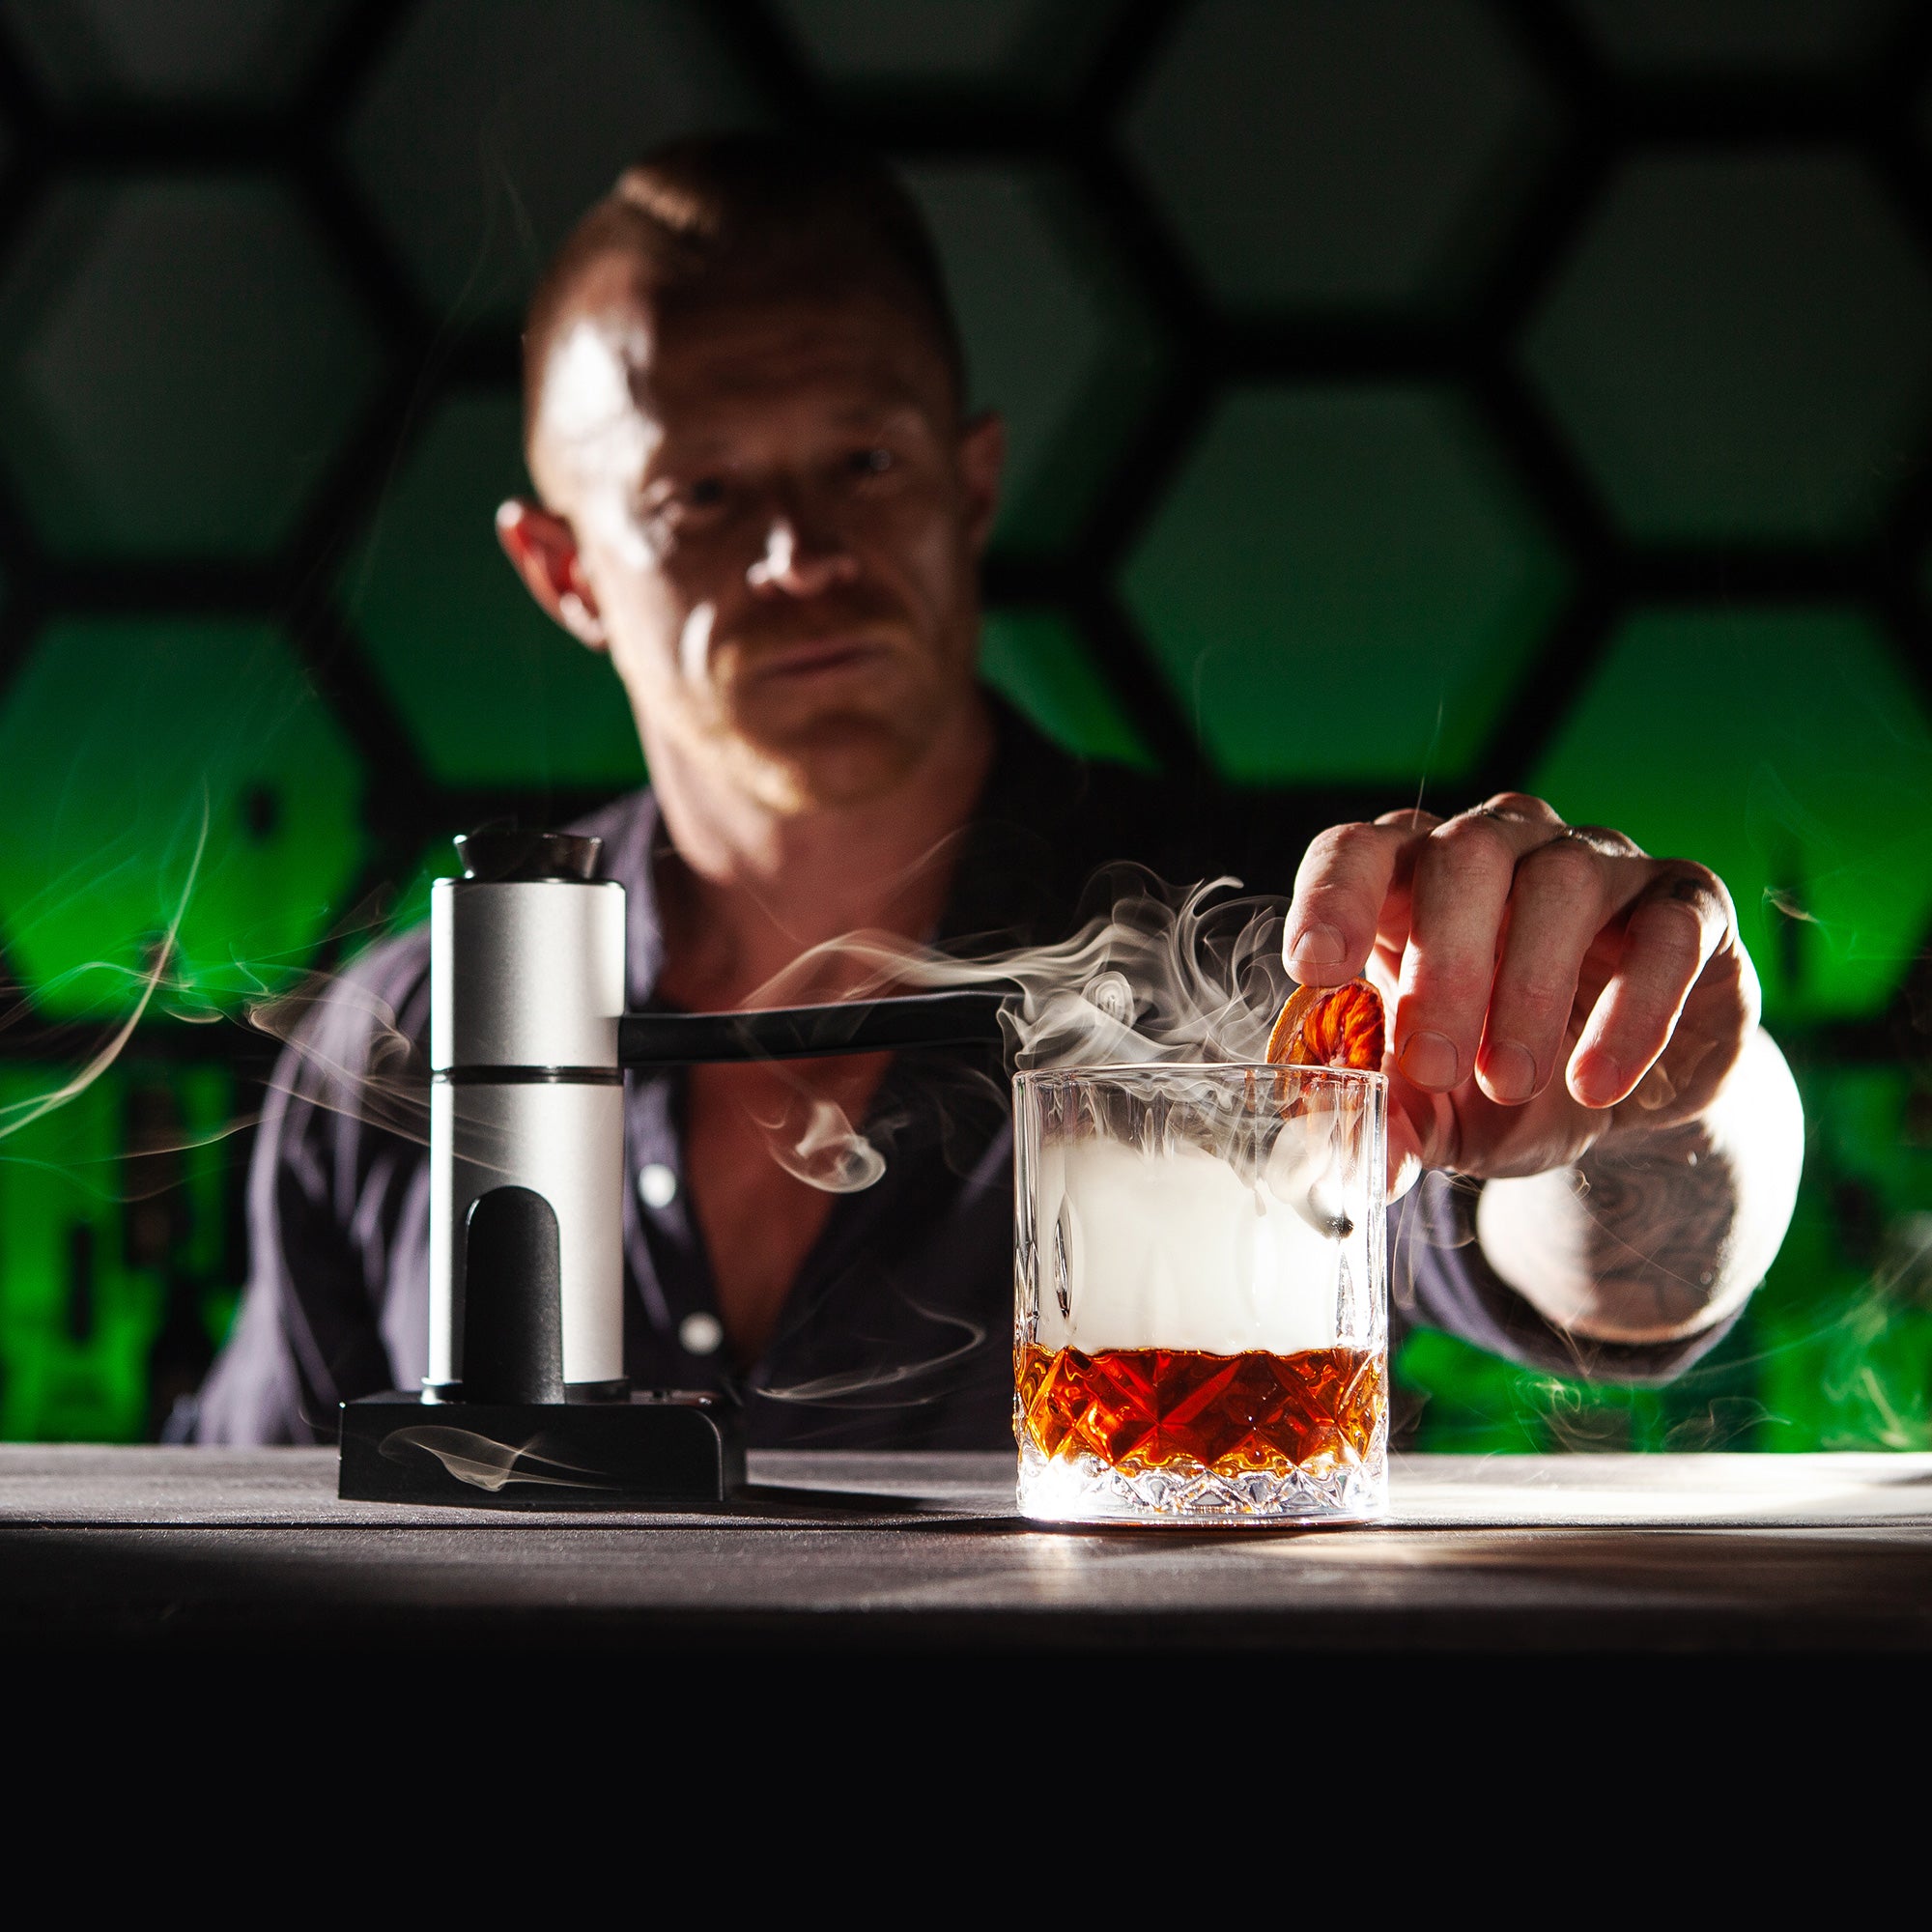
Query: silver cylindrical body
[[527, 987]]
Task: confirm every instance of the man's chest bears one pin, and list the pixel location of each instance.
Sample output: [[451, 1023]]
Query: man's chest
[[768, 1151]]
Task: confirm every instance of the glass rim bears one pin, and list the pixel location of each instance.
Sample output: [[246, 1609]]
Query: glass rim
[[1031, 1076]]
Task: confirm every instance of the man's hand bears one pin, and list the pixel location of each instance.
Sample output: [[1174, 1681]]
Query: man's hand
[[1552, 987]]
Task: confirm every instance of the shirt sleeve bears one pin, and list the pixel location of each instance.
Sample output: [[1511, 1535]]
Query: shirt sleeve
[[1438, 1279], [338, 1146]]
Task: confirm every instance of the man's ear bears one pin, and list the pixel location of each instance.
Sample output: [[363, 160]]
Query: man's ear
[[542, 548], [983, 455]]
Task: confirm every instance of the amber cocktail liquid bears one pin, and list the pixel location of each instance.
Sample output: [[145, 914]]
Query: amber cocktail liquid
[[1171, 1408], [1201, 1310]]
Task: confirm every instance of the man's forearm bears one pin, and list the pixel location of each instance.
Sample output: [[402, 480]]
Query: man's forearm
[[1653, 1237]]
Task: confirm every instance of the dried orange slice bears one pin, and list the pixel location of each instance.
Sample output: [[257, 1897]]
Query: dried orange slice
[[1329, 1026]]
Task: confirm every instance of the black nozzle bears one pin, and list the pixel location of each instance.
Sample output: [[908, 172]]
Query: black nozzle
[[966, 1018], [525, 858]]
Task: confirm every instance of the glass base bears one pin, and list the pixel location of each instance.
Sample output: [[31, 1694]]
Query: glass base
[[1080, 1488]]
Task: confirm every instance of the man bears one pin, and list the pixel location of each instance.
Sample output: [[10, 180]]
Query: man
[[758, 492]]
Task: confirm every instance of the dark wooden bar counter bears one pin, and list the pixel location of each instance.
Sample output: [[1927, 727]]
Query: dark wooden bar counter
[[185, 1549]]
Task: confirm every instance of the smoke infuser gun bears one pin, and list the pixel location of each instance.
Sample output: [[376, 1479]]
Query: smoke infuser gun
[[526, 1403]]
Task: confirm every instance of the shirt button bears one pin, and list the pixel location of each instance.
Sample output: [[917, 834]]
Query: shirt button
[[701, 1333], [657, 1187]]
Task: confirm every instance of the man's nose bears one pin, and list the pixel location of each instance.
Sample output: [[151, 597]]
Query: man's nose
[[799, 561]]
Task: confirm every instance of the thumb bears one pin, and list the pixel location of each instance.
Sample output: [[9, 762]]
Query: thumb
[[1405, 1148]]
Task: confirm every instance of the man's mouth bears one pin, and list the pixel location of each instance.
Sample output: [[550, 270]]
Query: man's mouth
[[813, 656]]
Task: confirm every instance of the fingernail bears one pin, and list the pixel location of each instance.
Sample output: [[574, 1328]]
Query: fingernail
[[1509, 1072], [1655, 1090], [1429, 1058], [1318, 946], [1594, 1069]]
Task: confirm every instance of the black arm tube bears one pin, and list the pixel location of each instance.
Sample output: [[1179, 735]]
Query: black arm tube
[[810, 1032]]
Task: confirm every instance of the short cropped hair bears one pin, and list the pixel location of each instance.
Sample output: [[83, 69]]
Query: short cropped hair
[[751, 215]]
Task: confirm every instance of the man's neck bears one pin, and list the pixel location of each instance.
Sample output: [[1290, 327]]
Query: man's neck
[[747, 888]]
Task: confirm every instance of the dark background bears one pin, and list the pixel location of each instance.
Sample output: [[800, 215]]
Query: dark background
[[1408, 397]]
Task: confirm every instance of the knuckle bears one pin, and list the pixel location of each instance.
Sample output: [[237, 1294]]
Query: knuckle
[[1566, 867], [1471, 841], [1342, 844], [1687, 883], [1608, 841], [1451, 984], [1325, 852], [1522, 804], [1405, 821], [1544, 998]]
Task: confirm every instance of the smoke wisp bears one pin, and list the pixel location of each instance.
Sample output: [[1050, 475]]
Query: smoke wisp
[[1189, 977]]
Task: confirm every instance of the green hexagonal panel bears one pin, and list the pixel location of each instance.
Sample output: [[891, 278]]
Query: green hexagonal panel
[[115, 736], [491, 125], [1037, 659], [1740, 348], [1786, 751], [181, 364], [493, 692], [1054, 336], [1310, 156], [185, 53], [1019, 50], [1713, 37], [1343, 584]]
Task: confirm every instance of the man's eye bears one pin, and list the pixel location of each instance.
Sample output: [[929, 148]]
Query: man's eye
[[870, 462], [705, 494]]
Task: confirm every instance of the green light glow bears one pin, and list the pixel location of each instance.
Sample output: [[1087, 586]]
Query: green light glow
[[1785, 749], [1342, 585], [1037, 662], [77, 1320], [115, 740], [491, 690]]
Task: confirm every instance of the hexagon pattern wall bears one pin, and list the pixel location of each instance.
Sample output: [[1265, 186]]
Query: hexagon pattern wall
[[493, 693], [1000, 49], [164, 773], [1741, 349], [1718, 37], [182, 361], [1402, 393], [491, 125], [1343, 584], [1034, 659], [1328, 157], [187, 53], [1811, 792], [1055, 337]]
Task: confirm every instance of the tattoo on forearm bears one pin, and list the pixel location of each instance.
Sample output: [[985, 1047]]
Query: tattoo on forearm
[[1657, 1219], [1652, 1235]]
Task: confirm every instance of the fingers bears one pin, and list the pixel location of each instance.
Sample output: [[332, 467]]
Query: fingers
[[1559, 899], [1463, 874], [1498, 915], [1340, 891], [1421, 1135], [1675, 926]]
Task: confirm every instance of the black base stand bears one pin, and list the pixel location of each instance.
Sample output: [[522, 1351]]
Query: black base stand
[[664, 1450]]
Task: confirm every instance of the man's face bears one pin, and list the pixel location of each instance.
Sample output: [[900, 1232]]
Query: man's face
[[779, 517]]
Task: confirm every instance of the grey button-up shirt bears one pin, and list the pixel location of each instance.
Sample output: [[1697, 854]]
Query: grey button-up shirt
[[897, 1332]]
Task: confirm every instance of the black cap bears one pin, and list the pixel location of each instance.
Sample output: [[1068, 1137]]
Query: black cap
[[519, 858]]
